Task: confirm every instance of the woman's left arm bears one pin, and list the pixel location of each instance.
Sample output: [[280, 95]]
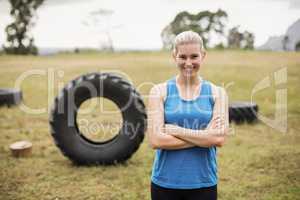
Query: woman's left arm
[[217, 129]]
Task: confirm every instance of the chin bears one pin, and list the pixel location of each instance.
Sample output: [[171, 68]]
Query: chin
[[193, 74]]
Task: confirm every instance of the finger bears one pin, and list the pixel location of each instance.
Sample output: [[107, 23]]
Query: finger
[[220, 126], [218, 121], [216, 118]]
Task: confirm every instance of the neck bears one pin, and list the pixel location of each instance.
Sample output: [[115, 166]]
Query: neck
[[188, 81]]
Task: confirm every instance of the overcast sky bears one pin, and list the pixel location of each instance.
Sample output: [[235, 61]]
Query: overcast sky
[[138, 23]]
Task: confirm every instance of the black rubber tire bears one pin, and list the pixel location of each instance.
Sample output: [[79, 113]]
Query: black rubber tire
[[241, 112], [10, 97], [83, 151]]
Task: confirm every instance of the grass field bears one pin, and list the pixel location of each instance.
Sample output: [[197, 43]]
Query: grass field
[[257, 162]]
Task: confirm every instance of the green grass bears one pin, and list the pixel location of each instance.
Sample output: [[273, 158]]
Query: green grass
[[257, 162]]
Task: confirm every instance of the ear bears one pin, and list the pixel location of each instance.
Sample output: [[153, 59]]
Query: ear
[[203, 55], [174, 54]]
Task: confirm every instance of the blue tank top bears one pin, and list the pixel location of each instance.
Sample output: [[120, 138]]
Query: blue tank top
[[188, 168]]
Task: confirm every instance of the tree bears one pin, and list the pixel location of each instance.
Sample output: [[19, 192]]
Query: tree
[[297, 46], [19, 41], [100, 22], [285, 42], [205, 23], [234, 38], [248, 40], [239, 40]]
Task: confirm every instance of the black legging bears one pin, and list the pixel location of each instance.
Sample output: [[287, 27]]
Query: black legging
[[161, 193]]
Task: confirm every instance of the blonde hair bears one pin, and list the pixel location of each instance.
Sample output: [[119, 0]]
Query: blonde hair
[[188, 37]]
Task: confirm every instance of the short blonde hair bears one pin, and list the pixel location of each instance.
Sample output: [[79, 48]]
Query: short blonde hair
[[188, 37]]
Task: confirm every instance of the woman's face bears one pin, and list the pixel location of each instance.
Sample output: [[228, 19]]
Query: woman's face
[[189, 59]]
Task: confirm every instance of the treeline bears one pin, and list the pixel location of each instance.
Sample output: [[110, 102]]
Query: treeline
[[208, 25]]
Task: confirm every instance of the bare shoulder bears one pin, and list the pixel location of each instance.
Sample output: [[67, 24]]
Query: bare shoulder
[[160, 90], [217, 91]]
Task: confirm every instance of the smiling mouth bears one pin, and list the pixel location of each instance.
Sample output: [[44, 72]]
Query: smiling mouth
[[189, 69]]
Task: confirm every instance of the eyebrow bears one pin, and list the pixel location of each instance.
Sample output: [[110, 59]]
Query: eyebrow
[[193, 54]]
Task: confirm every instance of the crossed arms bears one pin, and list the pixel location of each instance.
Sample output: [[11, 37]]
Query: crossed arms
[[168, 136]]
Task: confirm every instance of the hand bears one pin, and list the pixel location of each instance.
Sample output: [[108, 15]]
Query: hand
[[216, 123]]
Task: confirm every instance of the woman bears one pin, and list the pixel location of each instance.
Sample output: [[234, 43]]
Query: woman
[[187, 120]]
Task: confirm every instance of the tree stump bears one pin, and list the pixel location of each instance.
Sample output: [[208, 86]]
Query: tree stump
[[21, 148]]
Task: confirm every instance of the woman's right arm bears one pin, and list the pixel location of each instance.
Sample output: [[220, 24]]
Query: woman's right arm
[[158, 139]]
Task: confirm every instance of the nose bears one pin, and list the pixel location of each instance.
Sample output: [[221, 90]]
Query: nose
[[188, 62]]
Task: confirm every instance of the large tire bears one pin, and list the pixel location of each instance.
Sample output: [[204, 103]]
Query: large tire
[[78, 148], [10, 97], [241, 112]]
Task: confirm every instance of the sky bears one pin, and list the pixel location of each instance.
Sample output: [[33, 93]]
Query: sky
[[137, 24]]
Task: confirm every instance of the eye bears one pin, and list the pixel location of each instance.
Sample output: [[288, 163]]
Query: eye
[[194, 56]]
